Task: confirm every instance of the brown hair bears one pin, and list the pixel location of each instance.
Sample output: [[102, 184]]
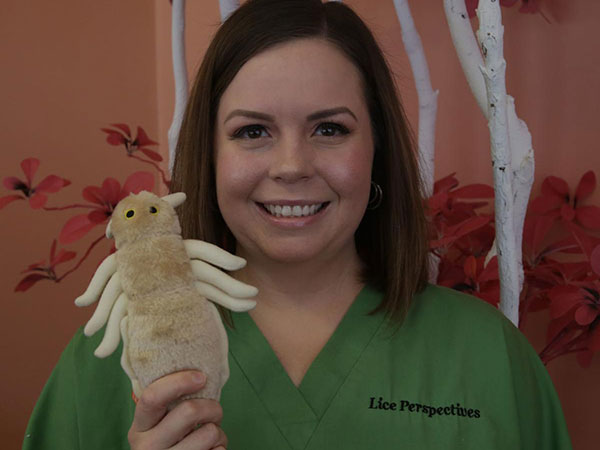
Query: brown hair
[[391, 240]]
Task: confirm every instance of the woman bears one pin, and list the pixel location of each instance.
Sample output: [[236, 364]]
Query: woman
[[294, 154]]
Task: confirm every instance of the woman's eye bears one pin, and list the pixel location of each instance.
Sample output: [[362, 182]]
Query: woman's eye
[[250, 132], [331, 129]]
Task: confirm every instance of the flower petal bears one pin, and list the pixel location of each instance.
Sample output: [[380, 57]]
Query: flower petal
[[564, 298], [555, 186], [585, 241], [567, 212], [29, 281], [542, 226], [142, 138], [123, 127], [13, 183], [585, 315], [110, 191], [114, 137], [30, 167], [35, 265], [63, 256], [98, 216], [595, 260], [470, 267], [51, 184], [471, 7], [586, 186], [9, 199], [469, 225], [93, 194], [594, 342], [546, 203], [588, 216], [137, 182], [473, 191], [490, 272], [37, 200], [75, 228], [446, 183], [151, 154]]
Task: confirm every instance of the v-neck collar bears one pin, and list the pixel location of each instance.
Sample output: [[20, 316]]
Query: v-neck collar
[[298, 410]]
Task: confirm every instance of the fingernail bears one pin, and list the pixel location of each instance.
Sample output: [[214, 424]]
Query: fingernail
[[199, 377]]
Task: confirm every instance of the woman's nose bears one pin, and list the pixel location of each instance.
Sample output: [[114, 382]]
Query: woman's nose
[[292, 161]]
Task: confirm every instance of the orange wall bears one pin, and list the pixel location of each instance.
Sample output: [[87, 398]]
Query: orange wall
[[70, 70], [67, 71]]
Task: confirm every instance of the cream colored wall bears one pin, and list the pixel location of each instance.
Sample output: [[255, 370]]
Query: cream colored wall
[[71, 67]]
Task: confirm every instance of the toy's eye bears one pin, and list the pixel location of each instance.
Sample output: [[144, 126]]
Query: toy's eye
[[153, 210], [129, 213]]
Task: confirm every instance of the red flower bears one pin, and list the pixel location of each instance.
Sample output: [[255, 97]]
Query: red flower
[[556, 201], [35, 194], [455, 221], [446, 202], [41, 271], [575, 310], [103, 199], [476, 279], [122, 136]]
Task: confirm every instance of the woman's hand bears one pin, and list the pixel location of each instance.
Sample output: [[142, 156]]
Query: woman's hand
[[155, 428]]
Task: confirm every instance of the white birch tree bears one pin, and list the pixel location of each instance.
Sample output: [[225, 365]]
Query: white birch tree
[[426, 95], [512, 153], [226, 7], [180, 74]]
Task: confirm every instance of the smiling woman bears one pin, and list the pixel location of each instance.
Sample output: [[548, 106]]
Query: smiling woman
[[292, 121], [292, 149]]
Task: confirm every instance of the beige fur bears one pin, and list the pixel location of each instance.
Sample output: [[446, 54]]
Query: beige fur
[[150, 297], [170, 326]]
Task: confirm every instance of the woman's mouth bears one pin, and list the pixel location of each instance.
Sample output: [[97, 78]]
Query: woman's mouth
[[283, 210]]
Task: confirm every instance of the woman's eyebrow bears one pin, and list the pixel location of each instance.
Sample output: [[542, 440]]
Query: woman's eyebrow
[[268, 118], [330, 112], [250, 114]]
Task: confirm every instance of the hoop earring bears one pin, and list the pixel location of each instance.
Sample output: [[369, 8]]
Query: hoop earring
[[377, 198]]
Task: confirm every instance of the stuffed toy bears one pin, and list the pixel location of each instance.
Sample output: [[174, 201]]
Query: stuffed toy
[[154, 293]]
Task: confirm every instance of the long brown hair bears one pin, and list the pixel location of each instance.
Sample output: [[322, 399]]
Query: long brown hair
[[391, 240]]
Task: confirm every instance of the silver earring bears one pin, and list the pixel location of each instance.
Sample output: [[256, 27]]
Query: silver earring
[[377, 198]]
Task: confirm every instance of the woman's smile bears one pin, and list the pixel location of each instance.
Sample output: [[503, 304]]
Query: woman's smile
[[292, 214]]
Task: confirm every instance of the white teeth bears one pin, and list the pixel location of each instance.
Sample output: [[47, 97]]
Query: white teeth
[[295, 211]]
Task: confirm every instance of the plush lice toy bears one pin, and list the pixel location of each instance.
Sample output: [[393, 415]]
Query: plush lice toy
[[154, 295]]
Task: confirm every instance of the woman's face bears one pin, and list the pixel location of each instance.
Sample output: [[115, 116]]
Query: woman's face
[[294, 151]]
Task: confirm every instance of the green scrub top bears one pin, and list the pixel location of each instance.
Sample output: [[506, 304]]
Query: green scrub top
[[455, 375]]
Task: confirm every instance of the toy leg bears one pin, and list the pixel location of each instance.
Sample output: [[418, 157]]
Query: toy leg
[[105, 305], [217, 296], [103, 273], [212, 254], [211, 275], [112, 334]]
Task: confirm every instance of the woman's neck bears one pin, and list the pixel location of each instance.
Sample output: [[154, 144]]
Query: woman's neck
[[309, 285]]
